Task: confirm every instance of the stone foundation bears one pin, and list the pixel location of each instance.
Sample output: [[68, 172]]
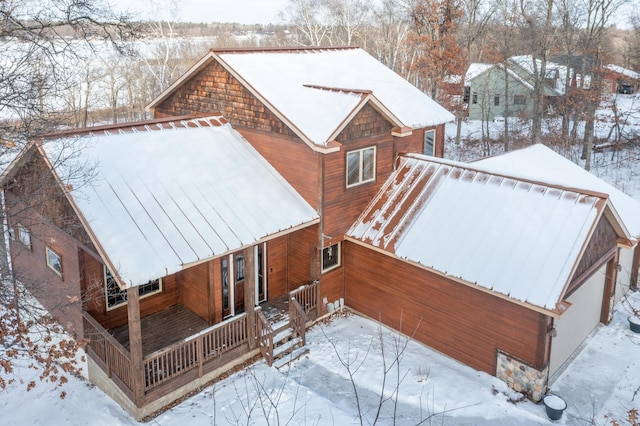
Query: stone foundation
[[521, 377]]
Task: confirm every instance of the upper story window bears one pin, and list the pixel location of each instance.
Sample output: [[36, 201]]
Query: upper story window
[[117, 297], [24, 236], [496, 99], [474, 98], [54, 261], [519, 100], [331, 257], [429, 142], [361, 166]]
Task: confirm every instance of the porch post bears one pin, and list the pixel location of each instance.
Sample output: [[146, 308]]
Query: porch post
[[250, 294], [135, 344]]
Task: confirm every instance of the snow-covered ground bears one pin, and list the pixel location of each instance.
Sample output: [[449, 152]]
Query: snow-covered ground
[[600, 384]]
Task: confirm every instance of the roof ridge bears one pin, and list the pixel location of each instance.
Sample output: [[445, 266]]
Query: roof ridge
[[469, 167], [211, 119], [339, 89], [301, 49]]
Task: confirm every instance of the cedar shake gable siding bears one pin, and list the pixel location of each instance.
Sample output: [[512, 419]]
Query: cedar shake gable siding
[[215, 89]]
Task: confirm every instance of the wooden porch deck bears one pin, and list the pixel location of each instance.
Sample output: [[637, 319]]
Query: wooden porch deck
[[276, 310], [163, 328]]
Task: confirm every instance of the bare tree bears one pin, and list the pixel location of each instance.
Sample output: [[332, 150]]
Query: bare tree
[[538, 17], [37, 38], [597, 16]]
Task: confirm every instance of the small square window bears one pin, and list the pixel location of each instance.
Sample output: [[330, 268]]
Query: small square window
[[54, 261], [24, 236], [331, 257]]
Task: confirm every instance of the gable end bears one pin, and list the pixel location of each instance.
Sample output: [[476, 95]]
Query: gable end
[[215, 89]]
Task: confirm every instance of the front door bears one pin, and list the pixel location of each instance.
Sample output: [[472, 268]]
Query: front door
[[232, 268], [233, 277]]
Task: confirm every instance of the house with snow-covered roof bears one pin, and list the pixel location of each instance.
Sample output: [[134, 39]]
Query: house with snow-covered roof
[[159, 238], [502, 90], [500, 272], [330, 120], [185, 245], [617, 79]]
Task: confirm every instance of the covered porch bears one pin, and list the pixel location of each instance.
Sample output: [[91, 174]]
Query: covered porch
[[171, 351], [177, 323]]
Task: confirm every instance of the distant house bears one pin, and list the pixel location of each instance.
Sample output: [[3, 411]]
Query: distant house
[[620, 80], [494, 92], [323, 189]]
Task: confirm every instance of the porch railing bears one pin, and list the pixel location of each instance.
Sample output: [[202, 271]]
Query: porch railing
[[112, 357], [265, 337], [298, 319], [307, 297], [194, 352]]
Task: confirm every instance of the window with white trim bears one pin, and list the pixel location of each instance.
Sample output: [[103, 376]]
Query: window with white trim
[[54, 261], [361, 166], [519, 99], [117, 297], [429, 140], [24, 236], [331, 257]]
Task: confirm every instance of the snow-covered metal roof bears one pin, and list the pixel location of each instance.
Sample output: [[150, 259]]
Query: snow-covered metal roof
[[539, 162], [624, 71], [164, 199], [316, 89], [515, 237]]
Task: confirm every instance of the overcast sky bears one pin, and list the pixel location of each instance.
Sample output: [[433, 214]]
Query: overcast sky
[[241, 11]]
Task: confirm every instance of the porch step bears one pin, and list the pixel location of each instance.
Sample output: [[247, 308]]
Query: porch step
[[295, 354], [282, 335], [285, 348]]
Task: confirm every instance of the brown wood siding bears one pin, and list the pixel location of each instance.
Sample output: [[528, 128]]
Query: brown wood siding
[[343, 205], [412, 143], [34, 185], [292, 158], [331, 286], [303, 257], [415, 142], [95, 303], [193, 284], [367, 123], [603, 240], [466, 324], [214, 89], [60, 294], [277, 267]]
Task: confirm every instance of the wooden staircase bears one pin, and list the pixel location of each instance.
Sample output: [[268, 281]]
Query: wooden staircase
[[283, 340], [287, 345]]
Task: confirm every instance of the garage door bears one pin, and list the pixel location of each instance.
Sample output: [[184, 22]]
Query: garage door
[[578, 321]]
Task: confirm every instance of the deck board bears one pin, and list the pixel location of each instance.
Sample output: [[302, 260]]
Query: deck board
[[163, 328]]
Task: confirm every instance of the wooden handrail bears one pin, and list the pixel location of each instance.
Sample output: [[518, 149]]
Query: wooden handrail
[[115, 357], [170, 362], [265, 337], [298, 319], [307, 296], [104, 333]]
